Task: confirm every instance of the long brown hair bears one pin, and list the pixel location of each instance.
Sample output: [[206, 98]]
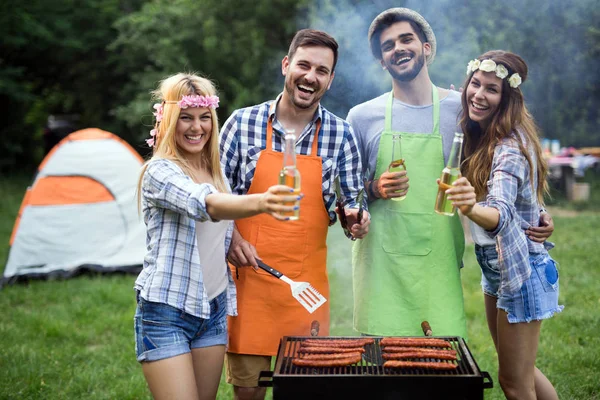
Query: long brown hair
[[172, 89], [511, 118]]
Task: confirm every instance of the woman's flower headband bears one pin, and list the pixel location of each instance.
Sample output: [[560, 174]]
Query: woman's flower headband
[[490, 66], [185, 102]]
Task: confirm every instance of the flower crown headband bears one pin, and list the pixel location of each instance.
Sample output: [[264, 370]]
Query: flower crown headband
[[185, 102], [490, 66]]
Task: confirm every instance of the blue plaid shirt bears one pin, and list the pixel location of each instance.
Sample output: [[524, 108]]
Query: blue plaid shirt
[[172, 273], [244, 136], [512, 193]]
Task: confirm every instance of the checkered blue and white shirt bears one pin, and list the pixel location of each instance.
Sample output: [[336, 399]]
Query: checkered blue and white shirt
[[244, 134], [512, 193], [172, 273]]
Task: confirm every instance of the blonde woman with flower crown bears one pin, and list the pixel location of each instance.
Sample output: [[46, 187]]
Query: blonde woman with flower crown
[[501, 192], [185, 290]]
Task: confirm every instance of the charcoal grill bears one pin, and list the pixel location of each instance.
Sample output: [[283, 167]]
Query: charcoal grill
[[370, 380]]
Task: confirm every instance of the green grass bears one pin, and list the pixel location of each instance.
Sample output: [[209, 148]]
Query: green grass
[[73, 339]]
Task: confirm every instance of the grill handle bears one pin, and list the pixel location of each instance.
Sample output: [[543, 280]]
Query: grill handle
[[265, 379], [488, 383]]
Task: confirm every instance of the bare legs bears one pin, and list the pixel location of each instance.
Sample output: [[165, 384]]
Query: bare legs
[[249, 393], [191, 376], [516, 345]]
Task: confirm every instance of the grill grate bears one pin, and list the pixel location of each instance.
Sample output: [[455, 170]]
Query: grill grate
[[372, 362], [369, 379]]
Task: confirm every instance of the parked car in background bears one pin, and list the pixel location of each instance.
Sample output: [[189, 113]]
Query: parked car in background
[[58, 127]]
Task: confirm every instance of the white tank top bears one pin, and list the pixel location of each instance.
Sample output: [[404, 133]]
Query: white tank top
[[479, 235], [211, 249]]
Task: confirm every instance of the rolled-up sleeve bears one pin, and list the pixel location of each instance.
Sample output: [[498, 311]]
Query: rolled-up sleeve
[[166, 186]]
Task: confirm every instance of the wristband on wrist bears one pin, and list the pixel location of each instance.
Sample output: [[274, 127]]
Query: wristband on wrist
[[373, 190], [370, 194]]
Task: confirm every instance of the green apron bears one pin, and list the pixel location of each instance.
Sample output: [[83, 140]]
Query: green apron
[[407, 269]]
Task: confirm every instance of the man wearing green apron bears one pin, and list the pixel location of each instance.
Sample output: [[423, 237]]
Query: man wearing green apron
[[407, 270]]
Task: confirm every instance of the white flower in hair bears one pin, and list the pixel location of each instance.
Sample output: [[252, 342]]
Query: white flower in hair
[[501, 71], [473, 66], [515, 80], [487, 66]]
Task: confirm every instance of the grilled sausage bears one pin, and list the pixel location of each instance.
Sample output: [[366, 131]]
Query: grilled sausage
[[326, 350], [414, 342], [327, 363], [336, 343], [329, 356], [397, 349], [440, 355], [442, 366]]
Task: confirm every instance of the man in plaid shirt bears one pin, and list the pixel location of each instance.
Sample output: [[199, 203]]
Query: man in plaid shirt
[[251, 154]]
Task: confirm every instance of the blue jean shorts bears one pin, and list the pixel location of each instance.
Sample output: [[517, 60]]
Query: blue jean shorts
[[162, 331], [537, 299]]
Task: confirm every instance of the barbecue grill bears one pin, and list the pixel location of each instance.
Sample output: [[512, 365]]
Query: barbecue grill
[[370, 380]]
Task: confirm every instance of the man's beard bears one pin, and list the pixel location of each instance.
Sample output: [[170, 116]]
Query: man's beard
[[289, 88], [411, 74]]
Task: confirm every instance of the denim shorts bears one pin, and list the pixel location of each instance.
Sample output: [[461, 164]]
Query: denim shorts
[[538, 297], [162, 331]]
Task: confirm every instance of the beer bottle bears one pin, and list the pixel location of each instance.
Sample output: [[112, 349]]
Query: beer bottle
[[289, 175], [397, 163], [449, 174]]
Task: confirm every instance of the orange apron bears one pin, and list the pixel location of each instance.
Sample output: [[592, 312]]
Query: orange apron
[[266, 309]]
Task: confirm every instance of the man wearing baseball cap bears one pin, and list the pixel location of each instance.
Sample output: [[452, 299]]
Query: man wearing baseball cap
[[407, 270]]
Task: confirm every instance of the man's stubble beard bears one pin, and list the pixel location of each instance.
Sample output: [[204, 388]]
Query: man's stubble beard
[[289, 88], [411, 74]]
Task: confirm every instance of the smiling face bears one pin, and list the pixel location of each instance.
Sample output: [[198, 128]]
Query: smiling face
[[193, 130], [402, 53], [308, 75], [484, 94]]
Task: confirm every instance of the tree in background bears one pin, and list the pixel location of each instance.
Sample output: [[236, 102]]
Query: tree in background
[[236, 44], [99, 59], [54, 60]]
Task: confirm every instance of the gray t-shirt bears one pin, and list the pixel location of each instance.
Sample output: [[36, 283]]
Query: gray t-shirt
[[368, 119]]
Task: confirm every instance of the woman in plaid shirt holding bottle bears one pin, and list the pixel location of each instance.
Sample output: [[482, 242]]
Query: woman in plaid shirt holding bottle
[[185, 290], [504, 164]]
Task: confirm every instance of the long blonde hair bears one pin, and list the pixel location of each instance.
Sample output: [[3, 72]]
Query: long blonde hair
[[172, 89], [512, 116]]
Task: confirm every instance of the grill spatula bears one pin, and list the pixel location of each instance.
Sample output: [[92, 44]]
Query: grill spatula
[[304, 292]]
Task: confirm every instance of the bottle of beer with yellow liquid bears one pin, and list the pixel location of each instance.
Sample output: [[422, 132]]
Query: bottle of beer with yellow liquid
[[289, 175], [449, 174], [397, 163]]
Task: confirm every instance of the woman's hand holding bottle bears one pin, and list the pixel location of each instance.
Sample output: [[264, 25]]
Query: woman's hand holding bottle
[[462, 195], [278, 201]]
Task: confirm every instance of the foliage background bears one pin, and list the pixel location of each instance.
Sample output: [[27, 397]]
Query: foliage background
[[100, 59]]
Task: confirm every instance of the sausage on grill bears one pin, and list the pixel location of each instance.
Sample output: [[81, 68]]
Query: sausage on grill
[[327, 363], [396, 349], [330, 356], [414, 342], [440, 355], [442, 366], [325, 350], [336, 343]]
